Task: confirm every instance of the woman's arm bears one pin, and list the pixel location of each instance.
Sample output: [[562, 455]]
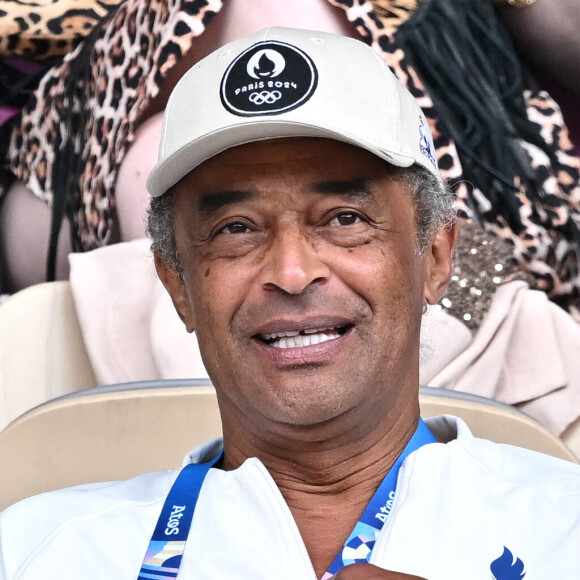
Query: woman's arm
[[547, 35]]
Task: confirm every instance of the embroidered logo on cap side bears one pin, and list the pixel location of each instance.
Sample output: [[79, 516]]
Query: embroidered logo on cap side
[[426, 143], [268, 78]]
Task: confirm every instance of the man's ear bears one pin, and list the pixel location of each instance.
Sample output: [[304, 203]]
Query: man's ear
[[439, 262], [171, 279]]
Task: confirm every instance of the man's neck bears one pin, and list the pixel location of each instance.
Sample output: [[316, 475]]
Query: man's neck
[[327, 486]]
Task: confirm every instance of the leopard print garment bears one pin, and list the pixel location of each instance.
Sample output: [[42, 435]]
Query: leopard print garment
[[546, 248], [129, 64], [45, 30]]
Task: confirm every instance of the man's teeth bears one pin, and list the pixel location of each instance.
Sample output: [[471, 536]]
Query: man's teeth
[[295, 339]]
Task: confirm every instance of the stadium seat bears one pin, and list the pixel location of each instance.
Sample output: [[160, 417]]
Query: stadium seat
[[493, 420], [42, 353], [118, 431]]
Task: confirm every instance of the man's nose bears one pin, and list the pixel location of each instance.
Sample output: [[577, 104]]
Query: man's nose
[[292, 263]]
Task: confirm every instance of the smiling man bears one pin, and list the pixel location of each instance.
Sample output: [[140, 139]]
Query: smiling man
[[300, 224]]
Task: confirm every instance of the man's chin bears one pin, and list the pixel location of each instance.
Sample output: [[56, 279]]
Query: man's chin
[[310, 414]]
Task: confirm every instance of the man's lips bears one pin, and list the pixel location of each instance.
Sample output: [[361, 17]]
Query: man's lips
[[301, 339], [284, 334]]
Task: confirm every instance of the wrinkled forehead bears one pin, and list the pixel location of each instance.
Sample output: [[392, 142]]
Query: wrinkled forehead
[[287, 156], [290, 174]]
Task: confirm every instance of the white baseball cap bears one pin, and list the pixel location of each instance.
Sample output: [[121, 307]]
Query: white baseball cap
[[284, 82]]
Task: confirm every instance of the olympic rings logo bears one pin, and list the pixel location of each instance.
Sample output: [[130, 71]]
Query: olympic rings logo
[[269, 97]]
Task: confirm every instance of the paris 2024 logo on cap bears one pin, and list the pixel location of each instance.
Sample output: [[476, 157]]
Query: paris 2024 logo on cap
[[268, 78]]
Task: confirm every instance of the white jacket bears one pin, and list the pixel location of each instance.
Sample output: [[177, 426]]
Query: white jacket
[[459, 506]]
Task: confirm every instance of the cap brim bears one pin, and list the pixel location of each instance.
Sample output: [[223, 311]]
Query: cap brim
[[173, 168]]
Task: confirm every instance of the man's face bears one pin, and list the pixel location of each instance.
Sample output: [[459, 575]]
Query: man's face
[[302, 280]]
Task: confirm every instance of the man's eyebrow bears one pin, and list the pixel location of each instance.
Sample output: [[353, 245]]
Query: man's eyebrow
[[210, 203], [352, 188]]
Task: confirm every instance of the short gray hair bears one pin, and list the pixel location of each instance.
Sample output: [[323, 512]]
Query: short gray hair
[[432, 199], [160, 228]]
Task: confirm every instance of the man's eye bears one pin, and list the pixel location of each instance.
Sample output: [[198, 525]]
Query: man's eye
[[235, 228], [345, 219]]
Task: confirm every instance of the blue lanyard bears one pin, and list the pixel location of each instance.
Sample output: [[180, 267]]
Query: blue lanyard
[[163, 557], [360, 542]]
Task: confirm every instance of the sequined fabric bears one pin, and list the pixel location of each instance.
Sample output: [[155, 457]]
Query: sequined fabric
[[481, 263]]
